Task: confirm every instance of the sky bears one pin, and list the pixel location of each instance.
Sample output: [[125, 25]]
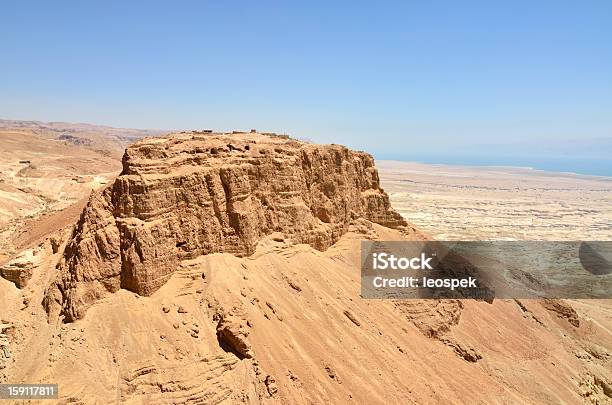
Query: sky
[[407, 79]]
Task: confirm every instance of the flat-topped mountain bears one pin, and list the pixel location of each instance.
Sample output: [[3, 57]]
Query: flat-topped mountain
[[225, 268], [188, 194]]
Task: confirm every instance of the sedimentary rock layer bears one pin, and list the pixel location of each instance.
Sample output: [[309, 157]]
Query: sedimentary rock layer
[[188, 194]]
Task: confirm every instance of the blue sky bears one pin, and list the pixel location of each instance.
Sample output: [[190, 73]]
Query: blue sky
[[395, 78]]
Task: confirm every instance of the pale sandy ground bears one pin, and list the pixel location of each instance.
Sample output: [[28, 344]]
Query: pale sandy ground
[[476, 203], [312, 338], [41, 175]]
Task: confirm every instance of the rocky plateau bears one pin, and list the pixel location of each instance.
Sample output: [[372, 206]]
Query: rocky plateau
[[185, 195]]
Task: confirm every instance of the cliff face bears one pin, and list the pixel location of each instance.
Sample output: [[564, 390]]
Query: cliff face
[[186, 195]]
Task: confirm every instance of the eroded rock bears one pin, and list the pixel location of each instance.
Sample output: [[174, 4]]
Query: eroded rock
[[271, 386], [184, 195], [5, 352], [233, 337], [20, 269], [563, 310]]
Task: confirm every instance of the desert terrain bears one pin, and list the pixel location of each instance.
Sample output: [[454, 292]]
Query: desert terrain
[[46, 172], [224, 268], [499, 203]]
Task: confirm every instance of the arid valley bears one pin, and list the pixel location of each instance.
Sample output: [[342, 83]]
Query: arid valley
[[499, 203], [200, 267]]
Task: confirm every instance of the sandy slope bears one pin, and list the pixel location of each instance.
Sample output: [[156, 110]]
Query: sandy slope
[[296, 305]]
